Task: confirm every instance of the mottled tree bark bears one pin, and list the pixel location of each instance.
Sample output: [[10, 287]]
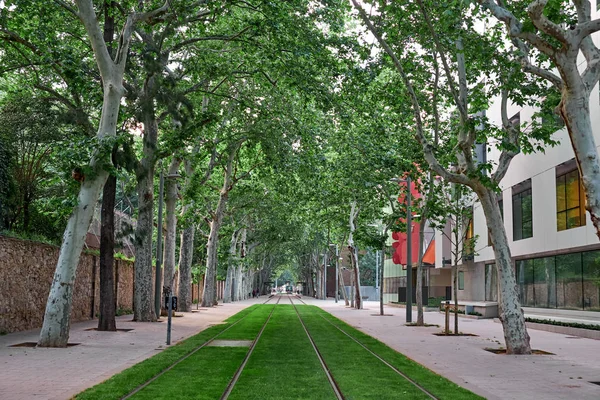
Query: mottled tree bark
[[56, 325], [171, 235], [209, 296], [511, 315]]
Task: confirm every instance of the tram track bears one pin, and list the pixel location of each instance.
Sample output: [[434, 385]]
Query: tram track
[[240, 369], [396, 370], [195, 350], [332, 382]]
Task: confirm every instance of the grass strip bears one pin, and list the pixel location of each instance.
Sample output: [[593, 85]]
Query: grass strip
[[358, 374], [204, 375], [124, 382], [248, 328], [283, 364], [439, 386]]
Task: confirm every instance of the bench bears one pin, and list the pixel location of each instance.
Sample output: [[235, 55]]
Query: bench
[[488, 309]]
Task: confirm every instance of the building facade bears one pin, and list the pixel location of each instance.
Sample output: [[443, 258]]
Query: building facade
[[555, 250]]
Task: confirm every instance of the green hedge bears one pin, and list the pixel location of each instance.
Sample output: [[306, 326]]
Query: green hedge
[[560, 323]]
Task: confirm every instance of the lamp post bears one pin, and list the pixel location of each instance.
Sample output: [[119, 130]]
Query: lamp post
[[408, 250]]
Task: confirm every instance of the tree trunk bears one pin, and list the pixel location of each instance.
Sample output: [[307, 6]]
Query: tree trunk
[[106, 320], [381, 275], [352, 290], [26, 214], [419, 289], [358, 294], [455, 289], [343, 288], [511, 315], [239, 278], [170, 237], [209, 295], [354, 255], [230, 268], [143, 310], [575, 110], [57, 317], [318, 282], [227, 297], [186, 253]]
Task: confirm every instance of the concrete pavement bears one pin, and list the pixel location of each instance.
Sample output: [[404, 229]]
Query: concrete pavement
[[463, 360], [42, 373]]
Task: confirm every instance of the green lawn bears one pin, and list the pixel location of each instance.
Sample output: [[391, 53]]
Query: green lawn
[[282, 365], [286, 362]]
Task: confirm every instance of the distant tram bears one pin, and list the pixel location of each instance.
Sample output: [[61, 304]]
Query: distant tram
[[289, 289]]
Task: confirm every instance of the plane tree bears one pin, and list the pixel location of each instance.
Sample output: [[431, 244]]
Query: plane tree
[[419, 39]]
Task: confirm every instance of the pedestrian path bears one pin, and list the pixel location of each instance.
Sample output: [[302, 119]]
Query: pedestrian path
[[43, 373], [565, 375]]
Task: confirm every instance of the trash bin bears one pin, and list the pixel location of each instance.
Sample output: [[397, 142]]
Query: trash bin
[[469, 309]]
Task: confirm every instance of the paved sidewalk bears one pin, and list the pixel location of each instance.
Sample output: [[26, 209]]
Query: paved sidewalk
[[565, 375], [42, 373]]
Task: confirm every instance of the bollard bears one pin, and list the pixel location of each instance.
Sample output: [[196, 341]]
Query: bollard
[[447, 307]]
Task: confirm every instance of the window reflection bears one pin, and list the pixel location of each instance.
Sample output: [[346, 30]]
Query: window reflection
[[569, 281]]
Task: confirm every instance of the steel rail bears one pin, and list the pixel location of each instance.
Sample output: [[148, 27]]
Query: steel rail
[[383, 361], [155, 377], [334, 384], [240, 369]]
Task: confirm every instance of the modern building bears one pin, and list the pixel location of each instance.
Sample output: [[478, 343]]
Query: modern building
[[555, 250]]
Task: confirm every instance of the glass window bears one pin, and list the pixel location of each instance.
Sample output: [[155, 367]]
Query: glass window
[[525, 283], [591, 281], [544, 282], [469, 242], [461, 280], [570, 201], [569, 281], [522, 215], [491, 282]]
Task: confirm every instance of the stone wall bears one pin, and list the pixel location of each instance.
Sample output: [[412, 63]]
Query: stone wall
[[26, 272]]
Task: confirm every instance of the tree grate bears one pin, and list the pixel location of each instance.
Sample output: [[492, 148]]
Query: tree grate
[[118, 330], [34, 344], [534, 352]]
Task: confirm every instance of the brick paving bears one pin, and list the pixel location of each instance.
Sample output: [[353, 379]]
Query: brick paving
[[565, 375], [42, 373]]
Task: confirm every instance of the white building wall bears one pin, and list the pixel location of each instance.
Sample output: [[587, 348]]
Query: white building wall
[[540, 168]]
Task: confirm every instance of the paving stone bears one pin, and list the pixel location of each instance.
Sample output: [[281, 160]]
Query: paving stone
[[37, 373]]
